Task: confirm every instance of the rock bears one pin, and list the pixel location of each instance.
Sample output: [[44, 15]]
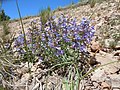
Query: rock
[[104, 49], [23, 70], [115, 80], [105, 86], [102, 53], [95, 46], [95, 84], [25, 78], [36, 86], [34, 68], [99, 75], [108, 58]]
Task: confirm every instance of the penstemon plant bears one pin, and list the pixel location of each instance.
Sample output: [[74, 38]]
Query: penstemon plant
[[60, 43], [59, 39]]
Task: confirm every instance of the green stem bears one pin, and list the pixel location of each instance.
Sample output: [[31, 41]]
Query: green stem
[[21, 22], [26, 48], [61, 64]]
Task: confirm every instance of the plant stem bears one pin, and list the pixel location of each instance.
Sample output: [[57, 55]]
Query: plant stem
[[25, 43]]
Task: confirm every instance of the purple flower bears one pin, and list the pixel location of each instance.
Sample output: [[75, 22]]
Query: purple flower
[[59, 52], [57, 35], [66, 39], [51, 44], [83, 48], [40, 59], [19, 40], [77, 37], [92, 31], [75, 45]]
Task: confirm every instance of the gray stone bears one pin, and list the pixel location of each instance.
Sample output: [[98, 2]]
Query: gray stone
[[115, 80], [95, 84], [99, 75], [34, 68], [36, 86]]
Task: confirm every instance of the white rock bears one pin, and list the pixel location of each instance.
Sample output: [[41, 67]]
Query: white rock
[[23, 70], [115, 80], [25, 78], [33, 69], [36, 86], [99, 75], [95, 84]]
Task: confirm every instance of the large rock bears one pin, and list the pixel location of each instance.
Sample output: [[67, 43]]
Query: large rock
[[99, 75], [115, 80], [112, 66]]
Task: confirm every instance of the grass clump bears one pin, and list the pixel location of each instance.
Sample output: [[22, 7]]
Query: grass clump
[[6, 53], [45, 14]]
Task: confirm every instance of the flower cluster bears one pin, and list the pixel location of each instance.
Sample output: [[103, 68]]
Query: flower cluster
[[67, 33], [58, 36], [31, 39]]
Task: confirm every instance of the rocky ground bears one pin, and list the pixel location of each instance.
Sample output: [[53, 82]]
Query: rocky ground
[[104, 78], [106, 18]]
